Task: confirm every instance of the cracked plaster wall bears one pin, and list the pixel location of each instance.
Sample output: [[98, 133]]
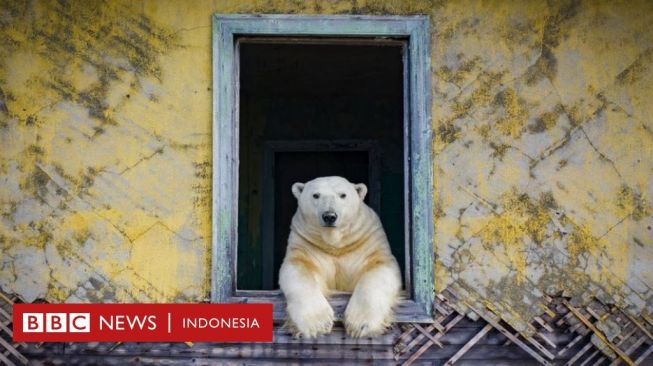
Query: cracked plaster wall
[[543, 148]]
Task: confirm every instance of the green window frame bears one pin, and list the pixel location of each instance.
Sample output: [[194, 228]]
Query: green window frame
[[418, 155]]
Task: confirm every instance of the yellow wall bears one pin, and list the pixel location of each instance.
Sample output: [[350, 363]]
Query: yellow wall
[[543, 165]]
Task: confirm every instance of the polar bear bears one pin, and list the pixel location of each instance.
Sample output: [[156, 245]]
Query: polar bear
[[337, 242]]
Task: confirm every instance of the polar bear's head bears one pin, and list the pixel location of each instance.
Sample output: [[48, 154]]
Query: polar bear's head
[[329, 202]]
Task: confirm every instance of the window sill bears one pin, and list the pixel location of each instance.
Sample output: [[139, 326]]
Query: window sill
[[407, 311]]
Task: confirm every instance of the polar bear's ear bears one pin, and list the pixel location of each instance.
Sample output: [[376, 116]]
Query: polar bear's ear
[[361, 189], [297, 189]]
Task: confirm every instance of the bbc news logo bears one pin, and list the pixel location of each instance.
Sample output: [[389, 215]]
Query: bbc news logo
[[56, 322], [142, 322]]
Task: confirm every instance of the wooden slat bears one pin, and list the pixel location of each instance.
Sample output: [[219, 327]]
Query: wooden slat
[[447, 327], [549, 312], [624, 338], [631, 349], [469, 345], [590, 358], [415, 341], [593, 313], [643, 356], [405, 336], [580, 354], [428, 345], [6, 361], [6, 329], [648, 319], [5, 298], [570, 345], [540, 347], [441, 309], [564, 319], [639, 325], [428, 335], [513, 338], [402, 340], [437, 324], [13, 351], [508, 341], [547, 340], [6, 315], [544, 324], [599, 334], [9, 348], [114, 346]]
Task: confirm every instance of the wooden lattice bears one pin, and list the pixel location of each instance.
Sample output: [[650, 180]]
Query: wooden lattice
[[597, 334], [9, 352]]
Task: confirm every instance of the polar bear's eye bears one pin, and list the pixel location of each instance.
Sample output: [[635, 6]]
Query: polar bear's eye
[[343, 196], [316, 195]]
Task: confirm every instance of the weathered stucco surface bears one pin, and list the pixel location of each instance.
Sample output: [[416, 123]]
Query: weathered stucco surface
[[543, 148]]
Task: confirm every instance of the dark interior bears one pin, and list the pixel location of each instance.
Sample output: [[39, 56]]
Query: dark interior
[[303, 93]]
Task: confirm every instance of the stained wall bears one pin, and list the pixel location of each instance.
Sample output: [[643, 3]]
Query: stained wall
[[543, 148]]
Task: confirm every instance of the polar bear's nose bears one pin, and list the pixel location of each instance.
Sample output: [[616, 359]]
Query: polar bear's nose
[[329, 218]]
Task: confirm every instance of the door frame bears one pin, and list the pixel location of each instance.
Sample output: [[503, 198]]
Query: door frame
[[418, 155]]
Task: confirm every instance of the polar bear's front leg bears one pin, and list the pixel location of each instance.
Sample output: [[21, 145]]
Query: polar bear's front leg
[[370, 309], [309, 312]]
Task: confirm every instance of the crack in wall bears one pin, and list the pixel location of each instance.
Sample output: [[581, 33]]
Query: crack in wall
[[141, 160], [602, 156]]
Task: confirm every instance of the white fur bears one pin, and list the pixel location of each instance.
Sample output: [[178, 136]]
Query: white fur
[[354, 255]]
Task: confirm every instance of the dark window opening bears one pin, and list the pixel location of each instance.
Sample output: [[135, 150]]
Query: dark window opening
[[309, 110]]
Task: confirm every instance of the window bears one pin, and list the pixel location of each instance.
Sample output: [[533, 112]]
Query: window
[[310, 108], [290, 91]]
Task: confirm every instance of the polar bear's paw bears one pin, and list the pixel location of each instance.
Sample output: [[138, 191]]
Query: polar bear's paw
[[310, 319], [363, 320]]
